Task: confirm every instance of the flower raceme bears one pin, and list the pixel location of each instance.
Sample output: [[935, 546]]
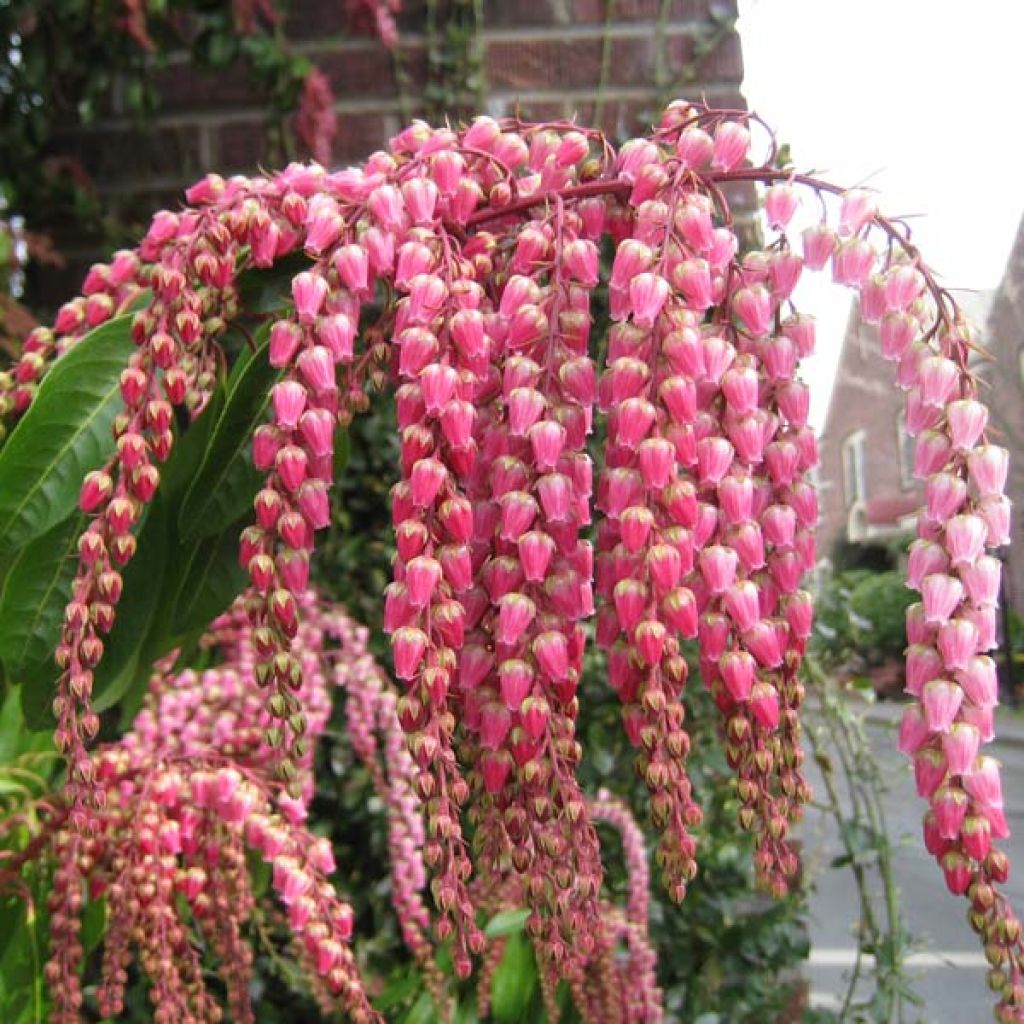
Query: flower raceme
[[459, 266]]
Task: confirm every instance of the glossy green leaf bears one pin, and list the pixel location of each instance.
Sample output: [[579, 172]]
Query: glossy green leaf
[[226, 482], [506, 922], [213, 580], [514, 981], [35, 592], [65, 433], [126, 661]]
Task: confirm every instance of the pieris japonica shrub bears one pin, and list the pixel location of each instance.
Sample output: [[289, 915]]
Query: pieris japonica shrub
[[200, 388]]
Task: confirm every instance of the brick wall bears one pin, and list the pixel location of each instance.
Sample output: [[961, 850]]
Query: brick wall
[[542, 58], [1005, 376], [863, 400]]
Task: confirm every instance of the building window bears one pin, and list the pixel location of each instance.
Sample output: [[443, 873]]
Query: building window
[[854, 485], [905, 448]]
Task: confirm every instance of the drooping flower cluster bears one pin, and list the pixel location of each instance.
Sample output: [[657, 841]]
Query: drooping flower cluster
[[182, 799], [462, 266]]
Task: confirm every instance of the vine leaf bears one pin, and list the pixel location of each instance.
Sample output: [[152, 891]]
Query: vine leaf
[[226, 482], [65, 433], [35, 592]]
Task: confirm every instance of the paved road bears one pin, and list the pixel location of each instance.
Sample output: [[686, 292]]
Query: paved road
[[950, 975]]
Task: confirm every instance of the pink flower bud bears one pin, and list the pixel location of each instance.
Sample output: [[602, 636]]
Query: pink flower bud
[[552, 655], [923, 665], [317, 429], [291, 464], [945, 496], [960, 745], [981, 581], [316, 365], [555, 493], [408, 646], [784, 273], [949, 805], [764, 705], [988, 467], [976, 837], [631, 258], [265, 446], [931, 454], [96, 490], [516, 679], [427, 293], [929, 771], [495, 722], [914, 731], [852, 262], [693, 278], [337, 332], [855, 210], [309, 292], [965, 539], [518, 511], [731, 143], [781, 201], [414, 258], [418, 348], [967, 420], [426, 480], [938, 379], [581, 260], [536, 550], [740, 600], [940, 701], [714, 457], [386, 206], [647, 295], [718, 567], [420, 195], [898, 332], [800, 613], [289, 400], [995, 510], [738, 670], [285, 337], [983, 782], [753, 306], [315, 505], [680, 611], [515, 613], [694, 148], [819, 244]]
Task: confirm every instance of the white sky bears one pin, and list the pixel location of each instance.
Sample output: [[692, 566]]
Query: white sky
[[917, 98]]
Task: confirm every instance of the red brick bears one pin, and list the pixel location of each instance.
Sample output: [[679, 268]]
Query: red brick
[[648, 10], [124, 154], [360, 134], [183, 87], [241, 145]]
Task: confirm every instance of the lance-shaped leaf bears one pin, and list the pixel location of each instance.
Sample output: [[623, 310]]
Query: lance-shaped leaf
[[226, 483], [65, 433], [35, 592]]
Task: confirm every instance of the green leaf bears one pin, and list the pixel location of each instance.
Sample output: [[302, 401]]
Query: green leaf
[[125, 660], [65, 433], [213, 580], [506, 922], [226, 483], [514, 981], [35, 592]]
